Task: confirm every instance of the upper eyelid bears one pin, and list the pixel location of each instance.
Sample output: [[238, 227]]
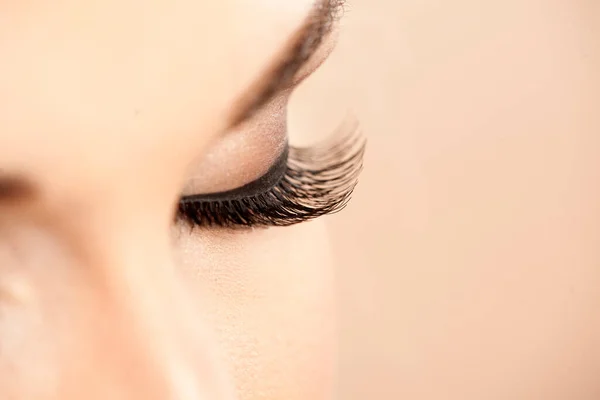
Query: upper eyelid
[[260, 185], [317, 180]]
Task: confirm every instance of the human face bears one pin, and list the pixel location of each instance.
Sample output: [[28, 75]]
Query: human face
[[110, 112]]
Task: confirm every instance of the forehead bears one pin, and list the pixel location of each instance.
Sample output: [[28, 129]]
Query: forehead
[[82, 78]]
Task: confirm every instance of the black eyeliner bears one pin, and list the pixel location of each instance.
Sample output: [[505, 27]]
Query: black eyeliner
[[258, 186], [305, 183]]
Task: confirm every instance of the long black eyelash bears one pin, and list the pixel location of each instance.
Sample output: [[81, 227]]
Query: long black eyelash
[[318, 180]]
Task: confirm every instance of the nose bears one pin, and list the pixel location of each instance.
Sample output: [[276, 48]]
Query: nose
[[121, 328]]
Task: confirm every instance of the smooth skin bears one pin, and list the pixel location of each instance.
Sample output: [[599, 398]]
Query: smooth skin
[[103, 108]]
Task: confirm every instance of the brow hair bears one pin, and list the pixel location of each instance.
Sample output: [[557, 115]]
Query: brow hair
[[319, 23]]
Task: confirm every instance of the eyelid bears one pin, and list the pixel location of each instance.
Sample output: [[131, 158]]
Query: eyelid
[[317, 181], [257, 186]]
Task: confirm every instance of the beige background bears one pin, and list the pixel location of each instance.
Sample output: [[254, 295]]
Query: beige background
[[469, 257]]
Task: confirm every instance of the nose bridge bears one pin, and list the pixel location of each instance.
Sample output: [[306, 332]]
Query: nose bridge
[[118, 324], [115, 323], [157, 330]]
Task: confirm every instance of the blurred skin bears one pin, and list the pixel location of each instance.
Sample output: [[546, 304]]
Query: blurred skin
[[103, 108]]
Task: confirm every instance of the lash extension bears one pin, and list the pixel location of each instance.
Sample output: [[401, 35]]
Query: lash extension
[[316, 181]]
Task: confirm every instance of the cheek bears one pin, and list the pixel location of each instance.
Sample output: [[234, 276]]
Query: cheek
[[269, 294]]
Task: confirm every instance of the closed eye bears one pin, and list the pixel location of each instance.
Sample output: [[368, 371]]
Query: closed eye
[[303, 184]]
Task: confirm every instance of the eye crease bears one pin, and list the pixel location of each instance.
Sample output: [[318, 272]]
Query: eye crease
[[304, 183]]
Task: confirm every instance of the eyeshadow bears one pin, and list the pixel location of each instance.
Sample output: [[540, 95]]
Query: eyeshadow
[[258, 186], [316, 181]]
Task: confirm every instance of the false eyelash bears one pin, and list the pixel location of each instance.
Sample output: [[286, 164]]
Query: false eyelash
[[318, 180]]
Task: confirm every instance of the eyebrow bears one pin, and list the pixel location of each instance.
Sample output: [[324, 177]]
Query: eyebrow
[[303, 44]]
